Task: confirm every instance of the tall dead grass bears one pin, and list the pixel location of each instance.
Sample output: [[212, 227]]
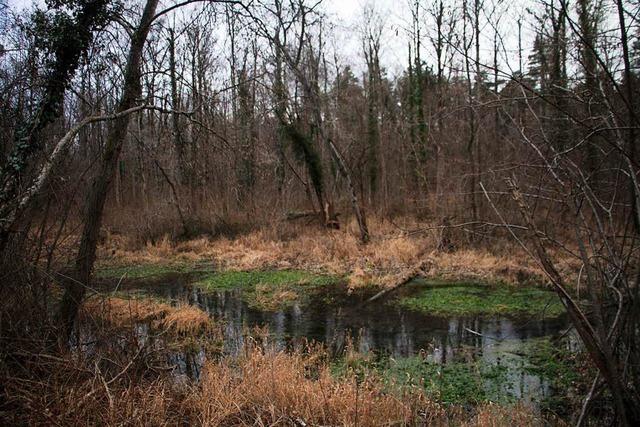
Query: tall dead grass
[[390, 252], [258, 388], [125, 312], [277, 388]]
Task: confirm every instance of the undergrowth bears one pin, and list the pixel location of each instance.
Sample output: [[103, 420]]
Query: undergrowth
[[388, 255], [121, 313], [566, 370], [259, 387], [140, 271], [453, 383], [118, 372]]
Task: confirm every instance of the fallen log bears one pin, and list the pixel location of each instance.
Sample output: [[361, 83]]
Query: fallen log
[[421, 268], [292, 216], [330, 215]]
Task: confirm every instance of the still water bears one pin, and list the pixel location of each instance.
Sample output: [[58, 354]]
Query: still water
[[334, 317]]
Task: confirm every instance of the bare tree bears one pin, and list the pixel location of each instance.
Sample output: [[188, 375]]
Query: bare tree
[[70, 40], [86, 255]]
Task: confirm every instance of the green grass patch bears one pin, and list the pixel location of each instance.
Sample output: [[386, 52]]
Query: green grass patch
[[568, 371], [471, 300], [242, 279], [471, 381], [552, 361], [269, 290], [140, 271], [454, 383], [451, 383]]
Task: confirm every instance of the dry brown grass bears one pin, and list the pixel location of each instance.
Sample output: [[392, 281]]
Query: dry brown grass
[[485, 266], [69, 399], [123, 380], [260, 387], [276, 388], [295, 389], [187, 319], [390, 252], [125, 312], [265, 297]]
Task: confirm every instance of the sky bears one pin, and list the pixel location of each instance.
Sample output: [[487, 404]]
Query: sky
[[347, 16], [394, 52]]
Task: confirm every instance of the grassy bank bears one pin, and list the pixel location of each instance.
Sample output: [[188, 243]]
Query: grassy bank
[[277, 289], [390, 253]]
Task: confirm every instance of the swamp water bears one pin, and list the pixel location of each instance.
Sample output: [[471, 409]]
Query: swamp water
[[457, 358]]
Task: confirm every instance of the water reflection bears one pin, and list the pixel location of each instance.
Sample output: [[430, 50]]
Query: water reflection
[[333, 317], [337, 319]]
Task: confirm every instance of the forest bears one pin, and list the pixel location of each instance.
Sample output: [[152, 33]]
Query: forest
[[320, 212]]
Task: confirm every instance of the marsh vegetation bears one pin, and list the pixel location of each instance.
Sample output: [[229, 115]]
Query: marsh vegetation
[[313, 213], [454, 350]]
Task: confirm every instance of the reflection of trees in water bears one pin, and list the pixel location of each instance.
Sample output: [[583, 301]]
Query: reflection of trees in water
[[382, 328], [372, 327]]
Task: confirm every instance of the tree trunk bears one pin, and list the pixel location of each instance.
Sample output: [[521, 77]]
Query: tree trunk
[[599, 349], [178, 140], [362, 221], [28, 138], [76, 286], [472, 137]]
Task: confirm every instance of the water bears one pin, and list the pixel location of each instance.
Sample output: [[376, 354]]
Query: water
[[331, 316], [338, 319]]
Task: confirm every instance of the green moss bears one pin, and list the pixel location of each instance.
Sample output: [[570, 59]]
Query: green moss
[[140, 271], [470, 300], [270, 290], [566, 371], [274, 278], [454, 383], [472, 381], [552, 361]]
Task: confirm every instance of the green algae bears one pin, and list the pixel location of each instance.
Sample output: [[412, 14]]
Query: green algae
[[473, 300]]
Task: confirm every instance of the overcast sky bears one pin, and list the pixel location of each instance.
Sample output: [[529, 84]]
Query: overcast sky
[[346, 16]]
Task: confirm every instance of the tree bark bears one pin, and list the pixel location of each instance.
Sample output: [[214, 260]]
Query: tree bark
[[362, 221], [76, 286]]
